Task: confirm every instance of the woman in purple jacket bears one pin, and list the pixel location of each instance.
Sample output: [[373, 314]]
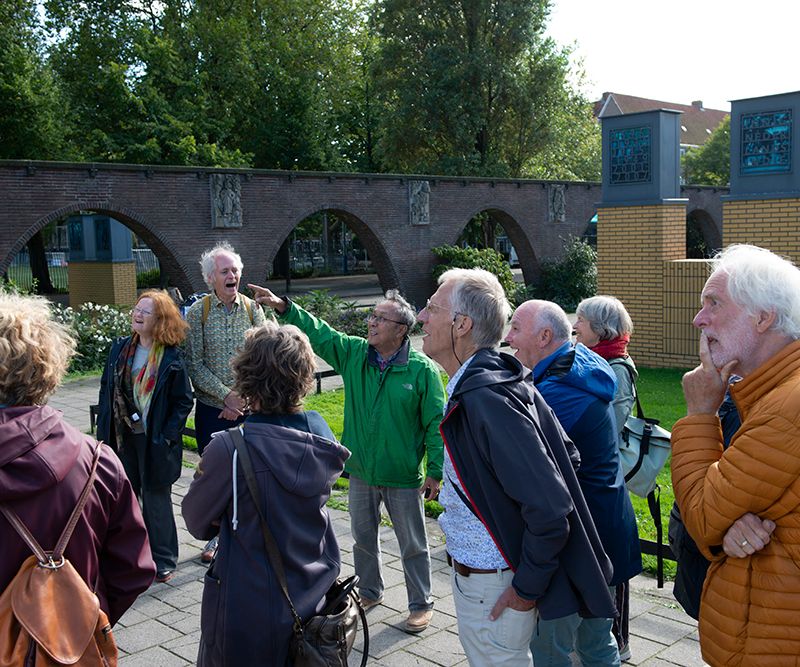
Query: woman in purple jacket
[[45, 462], [245, 619]]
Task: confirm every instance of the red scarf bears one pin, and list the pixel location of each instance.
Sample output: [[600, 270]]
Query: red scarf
[[613, 348]]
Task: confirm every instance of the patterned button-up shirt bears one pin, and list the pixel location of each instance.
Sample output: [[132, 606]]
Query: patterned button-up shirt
[[210, 346], [468, 541]]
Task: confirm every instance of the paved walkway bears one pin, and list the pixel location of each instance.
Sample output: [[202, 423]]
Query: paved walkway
[[163, 626]]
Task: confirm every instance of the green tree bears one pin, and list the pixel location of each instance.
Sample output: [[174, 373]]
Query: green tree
[[572, 278], [93, 54], [31, 107], [710, 164], [469, 87]]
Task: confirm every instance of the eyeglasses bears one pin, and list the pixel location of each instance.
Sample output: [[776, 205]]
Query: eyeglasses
[[141, 311], [432, 307], [380, 319]]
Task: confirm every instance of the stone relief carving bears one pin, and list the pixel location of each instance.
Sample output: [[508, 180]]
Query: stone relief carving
[[419, 195], [226, 200], [557, 202]]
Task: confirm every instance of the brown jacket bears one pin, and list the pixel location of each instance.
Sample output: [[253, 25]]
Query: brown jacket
[[750, 608], [44, 465]]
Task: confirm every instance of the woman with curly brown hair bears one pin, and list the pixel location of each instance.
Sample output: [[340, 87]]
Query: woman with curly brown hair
[[296, 459], [145, 398]]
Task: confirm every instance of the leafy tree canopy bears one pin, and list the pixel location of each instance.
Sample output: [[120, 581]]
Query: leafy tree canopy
[[472, 88], [710, 164]]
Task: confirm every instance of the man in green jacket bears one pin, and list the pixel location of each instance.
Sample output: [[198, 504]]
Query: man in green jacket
[[394, 400]]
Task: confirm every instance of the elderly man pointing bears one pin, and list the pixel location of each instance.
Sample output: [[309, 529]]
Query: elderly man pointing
[[393, 406]]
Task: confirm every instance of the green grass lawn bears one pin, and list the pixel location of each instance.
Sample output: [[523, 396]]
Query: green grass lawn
[[661, 396]]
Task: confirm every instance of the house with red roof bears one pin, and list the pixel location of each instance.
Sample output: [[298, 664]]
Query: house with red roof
[[697, 122]]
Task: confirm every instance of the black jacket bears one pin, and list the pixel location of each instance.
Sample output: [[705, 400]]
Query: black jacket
[[517, 467], [172, 402], [692, 565]]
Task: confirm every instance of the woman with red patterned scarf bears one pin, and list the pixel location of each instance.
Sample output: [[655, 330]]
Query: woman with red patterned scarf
[[605, 327], [145, 398]]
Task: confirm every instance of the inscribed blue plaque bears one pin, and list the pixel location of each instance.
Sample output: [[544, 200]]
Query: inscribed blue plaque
[[630, 155], [767, 142]]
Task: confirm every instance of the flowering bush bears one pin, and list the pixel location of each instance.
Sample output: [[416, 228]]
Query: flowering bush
[[95, 327]]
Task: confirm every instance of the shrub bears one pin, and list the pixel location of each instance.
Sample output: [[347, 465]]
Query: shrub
[[151, 278], [455, 257], [571, 279], [344, 316], [95, 327]]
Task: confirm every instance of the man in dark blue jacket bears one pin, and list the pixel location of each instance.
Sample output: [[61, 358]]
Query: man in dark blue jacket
[[579, 386], [520, 538]]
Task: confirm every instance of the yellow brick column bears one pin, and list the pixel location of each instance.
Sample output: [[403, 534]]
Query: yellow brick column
[[635, 245], [770, 223], [102, 282]]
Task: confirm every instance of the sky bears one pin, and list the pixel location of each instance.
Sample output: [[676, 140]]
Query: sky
[[683, 50]]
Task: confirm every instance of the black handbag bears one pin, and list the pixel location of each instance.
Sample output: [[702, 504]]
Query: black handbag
[[327, 638]]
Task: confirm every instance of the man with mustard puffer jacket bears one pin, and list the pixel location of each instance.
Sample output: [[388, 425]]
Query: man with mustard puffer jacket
[[742, 505]]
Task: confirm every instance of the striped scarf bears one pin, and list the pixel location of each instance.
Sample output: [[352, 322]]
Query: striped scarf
[[133, 395]]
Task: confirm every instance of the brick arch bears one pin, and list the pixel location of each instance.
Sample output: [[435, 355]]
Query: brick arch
[[171, 208], [378, 253], [528, 259], [169, 258]]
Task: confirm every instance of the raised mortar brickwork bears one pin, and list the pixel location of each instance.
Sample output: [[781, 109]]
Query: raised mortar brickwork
[[102, 282]]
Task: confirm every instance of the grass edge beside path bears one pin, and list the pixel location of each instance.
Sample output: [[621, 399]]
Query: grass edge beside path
[[661, 397]]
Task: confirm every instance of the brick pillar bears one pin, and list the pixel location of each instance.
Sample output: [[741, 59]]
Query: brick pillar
[[102, 282], [635, 245], [770, 223]]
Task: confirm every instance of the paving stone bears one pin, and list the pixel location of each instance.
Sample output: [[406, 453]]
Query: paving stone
[[144, 635], [386, 639], [151, 607], [155, 656], [642, 649], [684, 652], [661, 630], [131, 617], [440, 648], [163, 626]]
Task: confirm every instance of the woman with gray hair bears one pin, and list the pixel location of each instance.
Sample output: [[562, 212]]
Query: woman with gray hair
[[605, 327]]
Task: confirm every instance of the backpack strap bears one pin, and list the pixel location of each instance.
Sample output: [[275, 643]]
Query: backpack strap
[[639, 411], [654, 497], [55, 558], [207, 308]]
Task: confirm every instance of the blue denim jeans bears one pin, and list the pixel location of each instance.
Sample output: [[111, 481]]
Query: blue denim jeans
[[406, 511], [590, 638]]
